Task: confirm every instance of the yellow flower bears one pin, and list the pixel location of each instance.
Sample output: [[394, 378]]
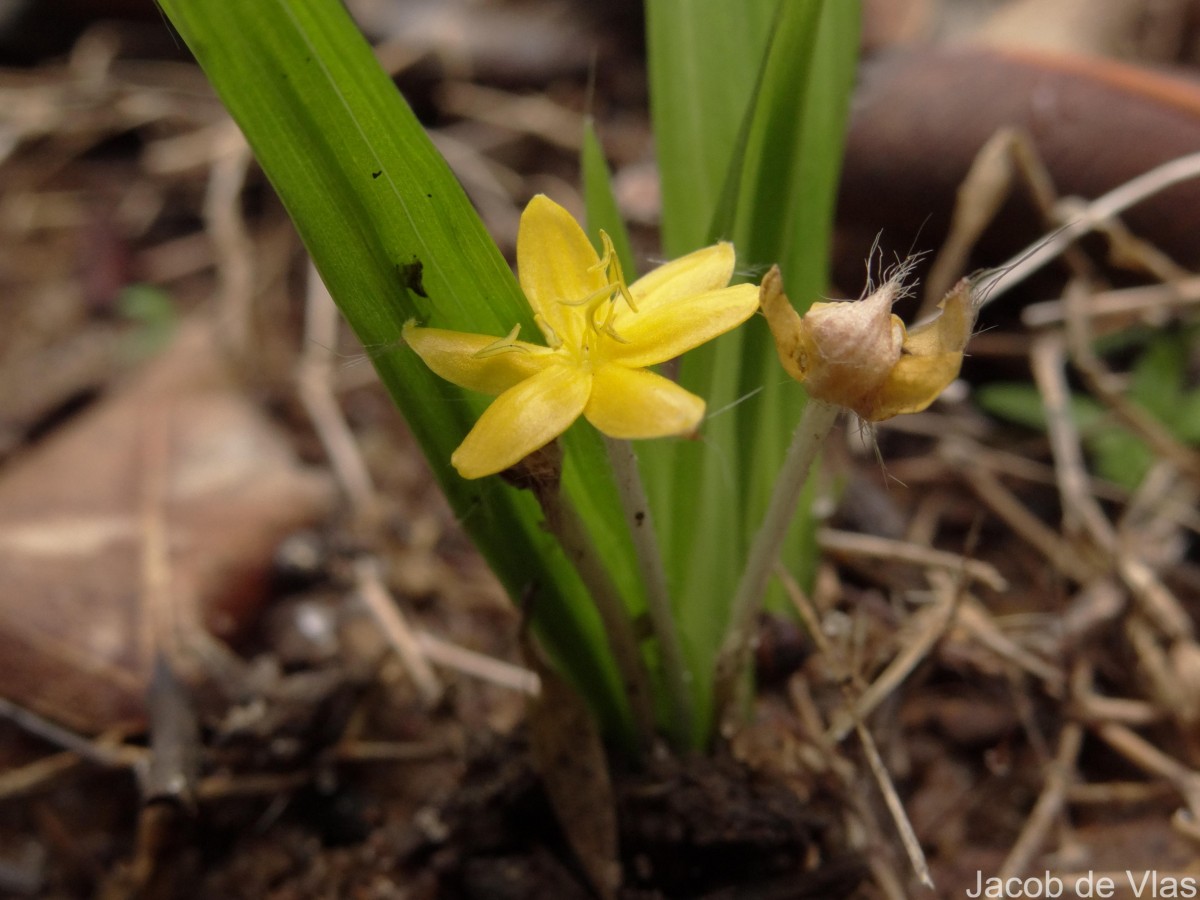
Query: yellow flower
[[601, 336], [857, 354]]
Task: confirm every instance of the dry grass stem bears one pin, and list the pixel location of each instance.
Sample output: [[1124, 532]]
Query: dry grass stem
[[314, 382], [101, 752], [1081, 513], [20, 781], [849, 543], [477, 665], [1113, 310], [1009, 157], [1122, 710], [1050, 803], [826, 739], [920, 633], [233, 245], [1154, 762], [1061, 554], [535, 115], [1100, 381], [1119, 792], [974, 618], [1103, 208], [396, 629], [908, 837]]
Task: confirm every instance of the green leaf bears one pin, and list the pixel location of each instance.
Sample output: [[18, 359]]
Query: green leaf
[[394, 237], [703, 57], [1157, 382], [749, 104], [601, 203]]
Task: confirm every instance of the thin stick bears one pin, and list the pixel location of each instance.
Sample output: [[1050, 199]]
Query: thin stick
[[1081, 512], [1153, 761], [908, 837], [1155, 300], [480, 665], [1102, 208], [658, 596], [872, 546], [95, 751], [924, 631], [1099, 380], [815, 423], [1057, 551], [1050, 803], [314, 379], [396, 629]]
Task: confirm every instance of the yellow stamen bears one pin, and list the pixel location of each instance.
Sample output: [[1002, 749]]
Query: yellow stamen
[[506, 344], [616, 274], [552, 338]]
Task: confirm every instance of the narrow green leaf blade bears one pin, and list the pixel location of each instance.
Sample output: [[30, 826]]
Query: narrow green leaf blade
[[704, 57], [600, 203], [781, 141], [394, 237]]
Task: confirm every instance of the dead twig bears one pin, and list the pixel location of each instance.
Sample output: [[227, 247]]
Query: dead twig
[[1116, 201], [849, 543], [1050, 803], [851, 717], [396, 629], [315, 385], [478, 665]]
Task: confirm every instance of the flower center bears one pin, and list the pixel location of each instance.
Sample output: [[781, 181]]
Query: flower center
[[599, 311], [600, 306]]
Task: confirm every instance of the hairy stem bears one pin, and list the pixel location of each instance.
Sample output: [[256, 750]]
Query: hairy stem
[[677, 675], [734, 655]]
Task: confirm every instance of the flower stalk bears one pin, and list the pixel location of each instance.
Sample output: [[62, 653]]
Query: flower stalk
[[540, 474], [734, 655], [855, 355], [676, 674]]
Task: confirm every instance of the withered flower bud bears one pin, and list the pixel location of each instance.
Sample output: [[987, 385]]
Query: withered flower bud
[[857, 354]]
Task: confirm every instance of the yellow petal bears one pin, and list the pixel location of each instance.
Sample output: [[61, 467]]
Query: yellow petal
[[523, 419], [785, 323], [914, 383], [633, 403], [949, 331], [556, 264], [932, 357], [697, 273], [454, 356], [680, 323]]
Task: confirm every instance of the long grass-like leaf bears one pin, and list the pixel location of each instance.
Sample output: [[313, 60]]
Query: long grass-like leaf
[[756, 160], [394, 237], [704, 58]]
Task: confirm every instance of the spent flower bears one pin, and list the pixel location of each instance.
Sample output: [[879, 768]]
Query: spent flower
[[601, 336], [858, 354]]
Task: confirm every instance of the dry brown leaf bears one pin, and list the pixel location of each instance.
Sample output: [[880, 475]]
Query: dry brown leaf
[[167, 501]]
